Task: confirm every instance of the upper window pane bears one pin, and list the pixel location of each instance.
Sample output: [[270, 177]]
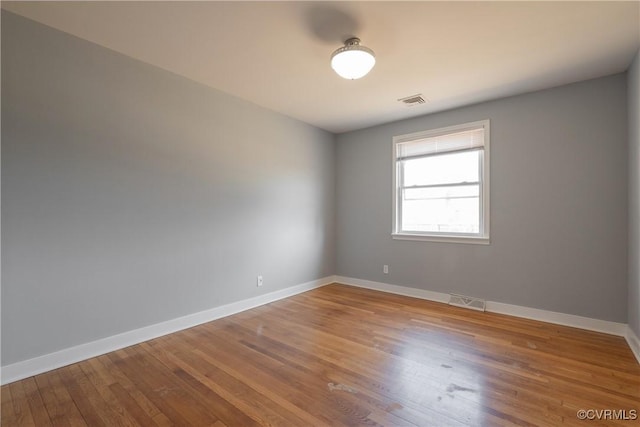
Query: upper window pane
[[442, 169]]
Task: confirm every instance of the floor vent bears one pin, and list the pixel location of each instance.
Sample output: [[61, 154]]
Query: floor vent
[[467, 302]]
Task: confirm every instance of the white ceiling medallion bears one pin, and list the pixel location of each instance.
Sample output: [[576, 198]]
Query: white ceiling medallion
[[353, 61]]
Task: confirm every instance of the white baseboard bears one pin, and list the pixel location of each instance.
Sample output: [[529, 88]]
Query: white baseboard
[[394, 289], [58, 359], [634, 342], [596, 325], [613, 328]]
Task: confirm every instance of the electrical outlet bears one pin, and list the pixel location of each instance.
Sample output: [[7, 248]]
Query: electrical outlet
[[259, 281], [385, 269]]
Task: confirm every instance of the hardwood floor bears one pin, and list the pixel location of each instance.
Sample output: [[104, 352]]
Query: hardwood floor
[[340, 355]]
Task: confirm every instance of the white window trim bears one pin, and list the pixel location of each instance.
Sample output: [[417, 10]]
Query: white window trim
[[484, 238]]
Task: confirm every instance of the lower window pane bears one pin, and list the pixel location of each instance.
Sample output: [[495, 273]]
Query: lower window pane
[[454, 214]]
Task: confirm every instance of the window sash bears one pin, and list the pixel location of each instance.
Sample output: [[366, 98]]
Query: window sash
[[400, 163]]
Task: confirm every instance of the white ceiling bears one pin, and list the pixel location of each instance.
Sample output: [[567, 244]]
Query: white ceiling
[[276, 54]]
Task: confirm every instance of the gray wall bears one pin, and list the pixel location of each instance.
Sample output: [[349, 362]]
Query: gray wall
[[634, 194], [558, 205], [132, 196]]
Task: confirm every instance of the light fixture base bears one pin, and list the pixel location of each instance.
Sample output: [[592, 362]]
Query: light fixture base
[[352, 61]]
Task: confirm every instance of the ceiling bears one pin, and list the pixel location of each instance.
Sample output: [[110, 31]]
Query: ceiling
[[276, 54]]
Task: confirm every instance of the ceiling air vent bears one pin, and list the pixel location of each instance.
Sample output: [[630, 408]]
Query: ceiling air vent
[[413, 100]]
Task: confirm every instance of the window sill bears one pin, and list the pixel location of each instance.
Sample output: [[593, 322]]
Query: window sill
[[442, 239]]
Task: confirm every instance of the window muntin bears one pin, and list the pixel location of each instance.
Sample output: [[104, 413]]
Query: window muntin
[[441, 184]]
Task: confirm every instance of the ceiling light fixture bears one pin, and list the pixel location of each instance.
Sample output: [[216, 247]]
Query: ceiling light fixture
[[353, 61]]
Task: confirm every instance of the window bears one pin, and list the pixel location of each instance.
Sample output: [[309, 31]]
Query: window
[[441, 184]]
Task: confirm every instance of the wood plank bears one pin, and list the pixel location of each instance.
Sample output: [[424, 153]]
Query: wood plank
[[131, 406], [34, 400], [57, 400], [84, 396], [98, 384], [8, 413], [134, 392], [167, 385], [21, 407], [157, 396]]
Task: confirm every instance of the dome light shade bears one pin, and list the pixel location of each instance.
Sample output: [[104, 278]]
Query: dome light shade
[[353, 61]]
